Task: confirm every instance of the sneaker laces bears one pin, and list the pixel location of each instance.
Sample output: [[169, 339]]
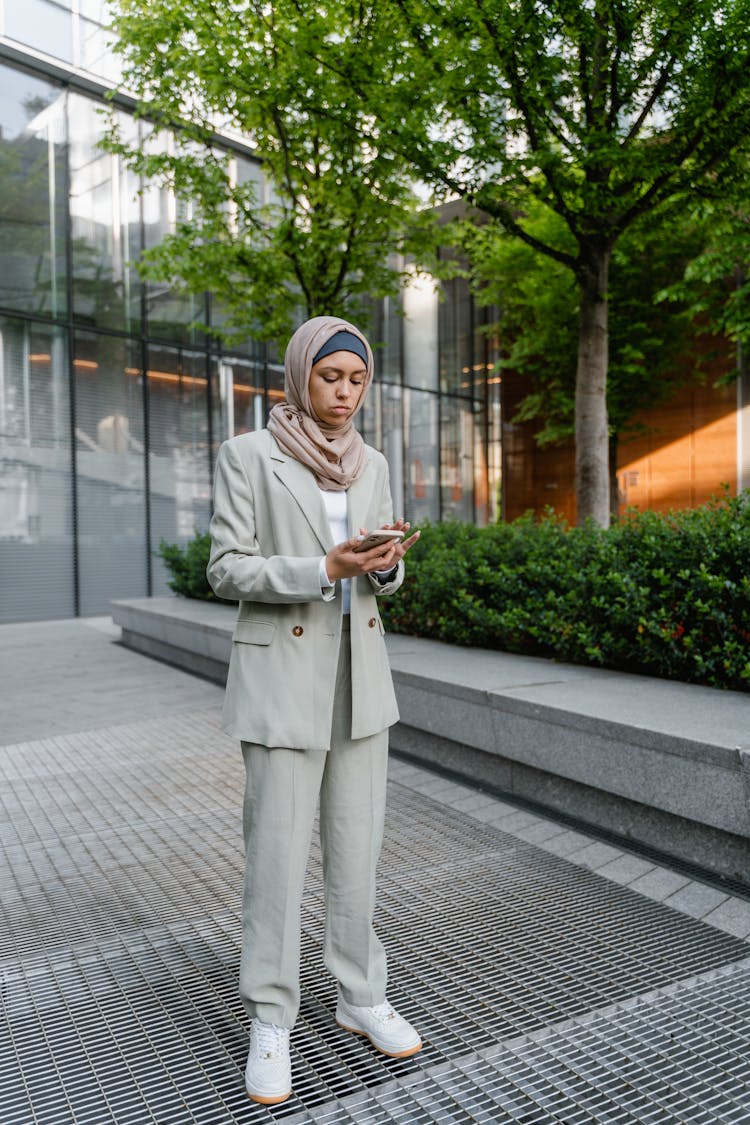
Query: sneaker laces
[[272, 1040], [384, 1011]]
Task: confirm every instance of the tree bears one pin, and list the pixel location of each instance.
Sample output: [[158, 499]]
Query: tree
[[715, 284], [651, 342], [319, 231], [602, 111]]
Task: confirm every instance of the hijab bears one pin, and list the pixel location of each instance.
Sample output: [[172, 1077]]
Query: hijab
[[336, 455]]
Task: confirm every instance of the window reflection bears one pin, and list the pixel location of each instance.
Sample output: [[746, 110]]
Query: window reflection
[[388, 334], [243, 401], [381, 423], [420, 334], [47, 27], [179, 449], [32, 196], [457, 355], [110, 475], [105, 221], [171, 315], [422, 448], [36, 508], [457, 459]]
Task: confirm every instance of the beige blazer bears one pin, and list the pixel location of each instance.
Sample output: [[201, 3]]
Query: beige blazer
[[269, 531]]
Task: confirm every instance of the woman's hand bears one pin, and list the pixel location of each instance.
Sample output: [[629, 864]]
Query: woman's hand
[[343, 561]]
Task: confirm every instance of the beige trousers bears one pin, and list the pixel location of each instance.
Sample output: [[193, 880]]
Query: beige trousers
[[281, 795]]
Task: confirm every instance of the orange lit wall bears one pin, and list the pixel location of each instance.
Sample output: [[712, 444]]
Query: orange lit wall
[[686, 452]]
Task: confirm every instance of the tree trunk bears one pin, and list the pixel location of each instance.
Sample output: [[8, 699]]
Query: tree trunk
[[592, 436]]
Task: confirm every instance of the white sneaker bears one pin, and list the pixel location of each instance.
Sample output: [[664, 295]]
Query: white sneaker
[[383, 1026], [268, 1074]]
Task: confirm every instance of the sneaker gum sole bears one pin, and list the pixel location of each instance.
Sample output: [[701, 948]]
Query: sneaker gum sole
[[268, 1099], [391, 1054]]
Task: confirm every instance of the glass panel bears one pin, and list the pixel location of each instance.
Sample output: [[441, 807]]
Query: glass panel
[[105, 223], [274, 381], [32, 194], [388, 326], [455, 314], [216, 409], [457, 459], [179, 450], [46, 27], [110, 471], [243, 403], [95, 10], [94, 53], [393, 443], [421, 477], [382, 426], [169, 313], [494, 444], [369, 421], [420, 334], [487, 382], [36, 492]]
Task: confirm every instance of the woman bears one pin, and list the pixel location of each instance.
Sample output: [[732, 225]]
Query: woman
[[309, 690]]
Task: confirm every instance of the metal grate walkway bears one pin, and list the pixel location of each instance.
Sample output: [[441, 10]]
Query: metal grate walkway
[[544, 993]]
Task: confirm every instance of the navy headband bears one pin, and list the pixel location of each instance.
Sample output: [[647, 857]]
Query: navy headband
[[343, 342]]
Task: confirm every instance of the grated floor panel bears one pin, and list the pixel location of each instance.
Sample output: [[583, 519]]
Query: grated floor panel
[[543, 992]]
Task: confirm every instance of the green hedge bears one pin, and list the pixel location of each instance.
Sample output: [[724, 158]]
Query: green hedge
[[187, 565], [666, 595]]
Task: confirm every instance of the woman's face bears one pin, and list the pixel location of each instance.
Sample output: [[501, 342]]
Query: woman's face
[[336, 385]]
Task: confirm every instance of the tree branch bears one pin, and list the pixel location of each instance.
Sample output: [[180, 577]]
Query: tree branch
[[504, 215]]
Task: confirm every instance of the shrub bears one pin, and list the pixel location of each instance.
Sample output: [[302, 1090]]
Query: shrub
[[666, 595], [187, 566]]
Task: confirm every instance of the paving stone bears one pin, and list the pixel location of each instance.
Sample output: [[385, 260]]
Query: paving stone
[[696, 899], [565, 843], [626, 868], [595, 855], [732, 916], [539, 831], [468, 802], [514, 821], [659, 883]]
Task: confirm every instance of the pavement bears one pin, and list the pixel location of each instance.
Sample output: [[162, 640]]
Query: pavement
[[554, 977]]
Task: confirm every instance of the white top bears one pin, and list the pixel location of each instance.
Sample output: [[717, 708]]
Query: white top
[[337, 511]]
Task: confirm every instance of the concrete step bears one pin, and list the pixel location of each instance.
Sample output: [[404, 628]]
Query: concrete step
[[661, 763]]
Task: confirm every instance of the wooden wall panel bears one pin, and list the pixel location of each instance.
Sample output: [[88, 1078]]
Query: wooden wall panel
[[533, 478], [685, 453]]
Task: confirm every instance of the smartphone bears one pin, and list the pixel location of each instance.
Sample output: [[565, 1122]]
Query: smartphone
[[378, 539]]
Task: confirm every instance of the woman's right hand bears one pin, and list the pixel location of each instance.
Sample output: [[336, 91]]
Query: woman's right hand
[[343, 561]]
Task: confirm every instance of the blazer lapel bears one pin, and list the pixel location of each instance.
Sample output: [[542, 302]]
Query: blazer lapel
[[360, 495], [301, 484]]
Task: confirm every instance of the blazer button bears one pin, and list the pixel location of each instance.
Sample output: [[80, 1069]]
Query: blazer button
[[297, 631], [372, 622]]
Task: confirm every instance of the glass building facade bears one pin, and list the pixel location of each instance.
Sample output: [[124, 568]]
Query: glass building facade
[[112, 406]]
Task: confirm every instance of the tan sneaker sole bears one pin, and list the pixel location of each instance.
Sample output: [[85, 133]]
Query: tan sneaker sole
[[264, 1100], [391, 1054]]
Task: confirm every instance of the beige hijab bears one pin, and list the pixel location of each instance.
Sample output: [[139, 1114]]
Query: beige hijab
[[336, 455]]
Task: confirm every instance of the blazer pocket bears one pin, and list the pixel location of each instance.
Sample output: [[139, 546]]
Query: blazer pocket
[[254, 632]]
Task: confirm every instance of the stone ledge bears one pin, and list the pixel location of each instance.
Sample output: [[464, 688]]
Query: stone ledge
[[661, 763]]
